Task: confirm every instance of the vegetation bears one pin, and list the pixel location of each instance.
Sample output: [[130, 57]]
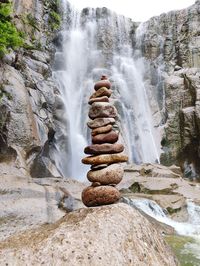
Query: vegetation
[[32, 21], [9, 36], [4, 93], [54, 19], [54, 14], [185, 249]]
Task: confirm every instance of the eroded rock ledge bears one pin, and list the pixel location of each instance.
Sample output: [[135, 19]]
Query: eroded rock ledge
[[94, 236]]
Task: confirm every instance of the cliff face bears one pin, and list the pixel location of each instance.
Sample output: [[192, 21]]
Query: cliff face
[[28, 94], [33, 129], [171, 45]]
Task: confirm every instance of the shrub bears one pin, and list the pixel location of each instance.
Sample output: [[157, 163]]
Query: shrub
[[54, 20], [9, 36]]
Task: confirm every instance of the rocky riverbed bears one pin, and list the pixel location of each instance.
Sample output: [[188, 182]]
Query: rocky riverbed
[[39, 204]]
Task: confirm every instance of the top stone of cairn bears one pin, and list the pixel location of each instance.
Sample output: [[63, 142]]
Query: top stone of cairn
[[104, 82]]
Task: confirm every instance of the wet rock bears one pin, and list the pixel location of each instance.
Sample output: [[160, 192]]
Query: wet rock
[[105, 159], [110, 137], [102, 110], [101, 92], [99, 99], [112, 174], [100, 195], [101, 130], [100, 122], [105, 148]]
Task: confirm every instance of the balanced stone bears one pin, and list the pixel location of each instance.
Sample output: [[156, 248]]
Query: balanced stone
[[102, 83], [99, 99], [100, 122], [98, 167], [101, 92], [110, 175], [105, 159], [101, 110], [101, 130], [100, 195], [105, 148], [110, 137]]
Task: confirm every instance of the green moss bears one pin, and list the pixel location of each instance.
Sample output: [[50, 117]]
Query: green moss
[[9, 36], [32, 21], [54, 20], [172, 211], [4, 93], [181, 247]]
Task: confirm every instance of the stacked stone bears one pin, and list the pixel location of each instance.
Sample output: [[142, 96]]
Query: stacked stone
[[105, 154]]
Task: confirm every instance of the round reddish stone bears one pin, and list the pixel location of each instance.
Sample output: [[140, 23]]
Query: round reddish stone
[[106, 148], [102, 83], [101, 130], [100, 195], [110, 137]]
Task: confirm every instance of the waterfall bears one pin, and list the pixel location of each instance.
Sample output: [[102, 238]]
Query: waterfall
[[95, 42], [191, 228]]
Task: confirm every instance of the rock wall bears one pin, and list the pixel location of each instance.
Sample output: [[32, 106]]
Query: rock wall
[[32, 127], [28, 95], [171, 45]]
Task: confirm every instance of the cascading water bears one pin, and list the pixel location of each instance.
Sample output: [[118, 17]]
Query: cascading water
[[96, 42], [191, 228]]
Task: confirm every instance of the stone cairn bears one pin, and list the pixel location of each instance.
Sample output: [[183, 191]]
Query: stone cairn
[[106, 155]]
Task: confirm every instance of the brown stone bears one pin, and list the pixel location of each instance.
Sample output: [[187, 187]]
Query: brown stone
[[101, 92], [100, 195], [101, 110], [101, 130], [110, 137], [105, 148], [102, 83], [100, 122], [96, 184], [105, 159], [98, 167], [99, 99], [110, 175]]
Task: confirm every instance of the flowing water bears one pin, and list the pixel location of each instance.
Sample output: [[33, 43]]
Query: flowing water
[[187, 243], [96, 42]]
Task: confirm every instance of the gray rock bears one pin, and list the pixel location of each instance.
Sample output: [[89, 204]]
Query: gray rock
[[27, 203], [60, 243]]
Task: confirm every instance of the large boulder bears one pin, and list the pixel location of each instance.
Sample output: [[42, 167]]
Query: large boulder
[[27, 203], [110, 235], [163, 185]]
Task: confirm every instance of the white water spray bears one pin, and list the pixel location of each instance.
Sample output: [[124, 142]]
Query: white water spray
[[97, 42], [190, 228]]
